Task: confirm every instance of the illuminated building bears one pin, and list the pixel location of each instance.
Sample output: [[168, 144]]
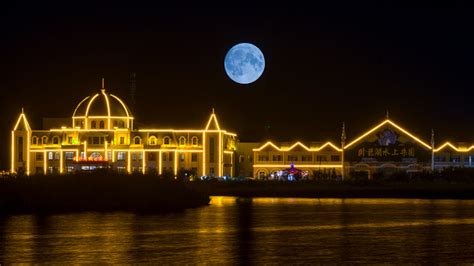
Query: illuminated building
[[102, 135], [386, 148]]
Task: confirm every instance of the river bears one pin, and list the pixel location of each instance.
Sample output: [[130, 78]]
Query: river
[[260, 230]]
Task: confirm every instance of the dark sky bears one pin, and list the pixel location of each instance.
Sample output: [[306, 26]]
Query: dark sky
[[324, 65]]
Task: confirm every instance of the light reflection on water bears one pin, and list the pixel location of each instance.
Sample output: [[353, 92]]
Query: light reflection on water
[[259, 230]]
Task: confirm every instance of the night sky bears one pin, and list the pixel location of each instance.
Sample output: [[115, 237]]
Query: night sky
[[324, 65]]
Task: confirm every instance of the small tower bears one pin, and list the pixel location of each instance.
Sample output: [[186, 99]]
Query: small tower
[[20, 145]]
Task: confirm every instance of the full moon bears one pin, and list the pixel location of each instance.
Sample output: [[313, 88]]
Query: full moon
[[244, 63]]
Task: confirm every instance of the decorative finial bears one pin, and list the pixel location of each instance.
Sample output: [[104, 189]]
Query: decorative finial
[[103, 81], [212, 110], [432, 138], [387, 115], [22, 110]]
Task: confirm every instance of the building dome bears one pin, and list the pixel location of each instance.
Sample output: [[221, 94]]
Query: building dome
[[102, 104]]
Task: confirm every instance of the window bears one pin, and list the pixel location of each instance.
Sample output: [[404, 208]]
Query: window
[[194, 141], [122, 140], [276, 158], [182, 141], [39, 156], [69, 140], [211, 171], [335, 158], [56, 156], [163, 155], [292, 158], [181, 157], [151, 156], [69, 155], [194, 157], [56, 140], [122, 124], [140, 156], [134, 157], [166, 141], [211, 149], [115, 123], [20, 149], [101, 124], [306, 158], [50, 156], [321, 158], [170, 156], [45, 140], [95, 140], [152, 140], [137, 140], [121, 156], [263, 158], [93, 124], [34, 141], [241, 159]]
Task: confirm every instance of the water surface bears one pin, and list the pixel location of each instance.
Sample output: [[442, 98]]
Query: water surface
[[259, 230]]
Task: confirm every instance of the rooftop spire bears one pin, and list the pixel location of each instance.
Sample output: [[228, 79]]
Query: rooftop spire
[[343, 134], [212, 110], [387, 115], [103, 81]]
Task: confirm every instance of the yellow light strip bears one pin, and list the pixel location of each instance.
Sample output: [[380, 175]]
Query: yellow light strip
[[232, 164], [387, 121], [45, 168], [104, 116], [155, 150], [213, 116], [229, 152], [123, 105], [61, 162], [108, 107], [77, 107], [302, 165], [203, 153], [48, 150], [87, 109], [13, 152], [143, 162], [86, 130], [159, 163], [85, 149], [458, 149], [129, 163], [269, 143], [175, 164], [221, 144]]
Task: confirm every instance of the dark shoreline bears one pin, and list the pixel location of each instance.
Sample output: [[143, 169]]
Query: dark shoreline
[[338, 190]]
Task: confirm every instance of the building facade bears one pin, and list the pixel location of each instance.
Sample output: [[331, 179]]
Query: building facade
[[386, 148], [102, 136]]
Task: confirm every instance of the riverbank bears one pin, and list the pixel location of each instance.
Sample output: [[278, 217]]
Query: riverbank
[[97, 192], [311, 189]]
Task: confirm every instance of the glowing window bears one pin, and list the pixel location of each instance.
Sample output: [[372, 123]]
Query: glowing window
[[34, 141], [93, 124], [152, 140], [45, 140], [56, 140], [166, 141], [137, 140], [122, 140], [101, 124], [194, 141], [182, 141]]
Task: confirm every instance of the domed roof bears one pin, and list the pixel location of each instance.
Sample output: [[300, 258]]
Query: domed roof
[[102, 104]]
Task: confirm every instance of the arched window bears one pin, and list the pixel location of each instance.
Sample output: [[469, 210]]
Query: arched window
[[152, 140], [93, 124], [194, 141], [182, 141], [45, 140], [136, 140], [115, 123], [101, 124], [34, 141], [122, 124], [82, 124], [166, 140], [55, 140]]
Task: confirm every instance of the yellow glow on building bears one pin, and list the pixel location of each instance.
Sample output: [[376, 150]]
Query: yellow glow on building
[[387, 121], [108, 106], [87, 110], [458, 149], [269, 143]]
